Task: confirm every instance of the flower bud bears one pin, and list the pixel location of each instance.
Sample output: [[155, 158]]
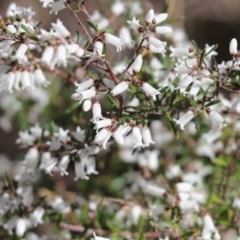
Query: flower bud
[[162, 30], [137, 64], [118, 137], [233, 46], [160, 18], [84, 85], [20, 53], [149, 17], [149, 90], [87, 105], [120, 88], [47, 55], [61, 29]]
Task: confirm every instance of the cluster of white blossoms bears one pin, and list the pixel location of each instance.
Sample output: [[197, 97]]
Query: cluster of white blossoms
[[127, 102]]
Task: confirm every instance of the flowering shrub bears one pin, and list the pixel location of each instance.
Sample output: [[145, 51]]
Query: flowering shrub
[[142, 94]]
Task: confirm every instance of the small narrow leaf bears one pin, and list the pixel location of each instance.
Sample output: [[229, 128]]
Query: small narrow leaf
[[213, 102], [38, 24], [203, 54], [93, 26]]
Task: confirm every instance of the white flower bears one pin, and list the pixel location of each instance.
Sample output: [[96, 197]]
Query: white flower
[[149, 17], [184, 187], [118, 7], [233, 46], [187, 117], [36, 216], [188, 206], [11, 28], [79, 134], [91, 166], [87, 104], [103, 123], [137, 64], [134, 24], [26, 80], [48, 165], [126, 37], [160, 18], [108, 83], [31, 159], [179, 52], [97, 112], [216, 120], [62, 166], [147, 138], [109, 38], [120, 88], [20, 53], [153, 190], [99, 238], [46, 2], [137, 137], [21, 226], [195, 89], [156, 42], [82, 95], [162, 30], [47, 55], [79, 171], [40, 78], [62, 135], [57, 6], [157, 49], [60, 57], [10, 80], [98, 48], [84, 85], [149, 90], [118, 136], [101, 135], [61, 29]]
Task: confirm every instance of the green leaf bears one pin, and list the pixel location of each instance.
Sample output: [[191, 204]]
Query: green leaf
[[213, 102], [212, 49], [39, 23], [220, 162], [186, 235], [93, 26], [112, 101], [29, 31], [78, 36], [105, 48], [203, 54], [193, 103], [71, 108], [174, 128]]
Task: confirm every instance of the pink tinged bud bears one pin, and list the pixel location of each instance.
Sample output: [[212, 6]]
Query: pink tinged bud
[[87, 105], [61, 29], [63, 164], [98, 48], [120, 88], [26, 80], [160, 18], [97, 111], [147, 138], [109, 38], [137, 137], [162, 30], [233, 46], [149, 90], [184, 187], [10, 28], [186, 118], [103, 123], [137, 64], [109, 83], [216, 120], [20, 53], [84, 85], [156, 42], [47, 55], [118, 137], [149, 17]]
